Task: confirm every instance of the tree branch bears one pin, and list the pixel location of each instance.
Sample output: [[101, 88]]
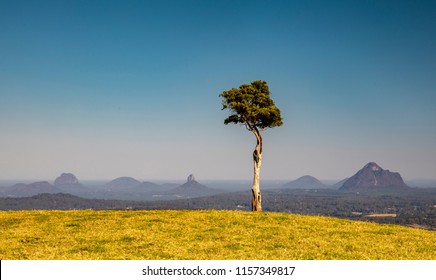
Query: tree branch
[[247, 124], [258, 138]]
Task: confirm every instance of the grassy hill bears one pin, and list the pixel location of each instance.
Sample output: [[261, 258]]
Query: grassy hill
[[211, 234]]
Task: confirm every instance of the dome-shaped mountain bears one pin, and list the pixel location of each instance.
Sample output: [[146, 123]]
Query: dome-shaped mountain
[[131, 186], [305, 182], [66, 179], [123, 183], [68, 183], [372, 176]]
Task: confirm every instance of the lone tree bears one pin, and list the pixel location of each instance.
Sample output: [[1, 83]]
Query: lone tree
[[252, 106]]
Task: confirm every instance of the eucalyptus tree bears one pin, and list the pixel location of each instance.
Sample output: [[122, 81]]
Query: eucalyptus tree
[[252, 106]]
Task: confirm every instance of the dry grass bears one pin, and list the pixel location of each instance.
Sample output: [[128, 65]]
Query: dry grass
[[203, 235]]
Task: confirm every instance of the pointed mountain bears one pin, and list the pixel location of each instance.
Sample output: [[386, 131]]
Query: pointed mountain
[[305, 182], [191, 178], [372, 176], [192, 188]]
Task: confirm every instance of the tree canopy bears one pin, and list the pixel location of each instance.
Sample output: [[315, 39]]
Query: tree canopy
[[252, 106]]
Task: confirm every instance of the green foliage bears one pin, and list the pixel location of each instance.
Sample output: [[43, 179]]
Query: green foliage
[[211, 234], [252, 106]]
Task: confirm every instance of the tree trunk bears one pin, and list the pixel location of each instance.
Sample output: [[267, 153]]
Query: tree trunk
[[256, 200]]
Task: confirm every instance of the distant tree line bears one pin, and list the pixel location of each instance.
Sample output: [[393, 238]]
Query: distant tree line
[[417, 207]]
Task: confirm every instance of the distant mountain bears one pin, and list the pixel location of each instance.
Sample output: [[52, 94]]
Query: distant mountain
[[68, 183], [122, 183], [372, 176], [22, 190], [192, 188], [66, 179], [305, 182], [131, 186], [65, 183]]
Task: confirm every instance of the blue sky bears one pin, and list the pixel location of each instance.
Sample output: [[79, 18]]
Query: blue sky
[[131, 88]]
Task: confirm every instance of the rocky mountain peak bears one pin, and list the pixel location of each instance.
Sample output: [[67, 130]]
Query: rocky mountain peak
[[191, 178], [373, 166], [373, 176], [192, 188], [66, 179]]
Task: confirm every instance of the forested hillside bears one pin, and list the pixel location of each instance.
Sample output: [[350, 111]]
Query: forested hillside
[[410, 207]]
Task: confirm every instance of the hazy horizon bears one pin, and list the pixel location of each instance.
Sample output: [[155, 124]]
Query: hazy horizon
[[420, 181], [104, 89]]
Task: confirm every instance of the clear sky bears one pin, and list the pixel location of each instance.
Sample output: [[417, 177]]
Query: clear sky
[[105, 89]]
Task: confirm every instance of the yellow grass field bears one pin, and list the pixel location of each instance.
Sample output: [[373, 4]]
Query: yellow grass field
[[189, 235]]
